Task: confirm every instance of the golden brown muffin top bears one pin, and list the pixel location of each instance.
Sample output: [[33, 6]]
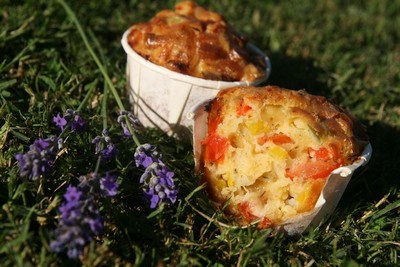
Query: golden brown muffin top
[[195, 41], [322, 115]]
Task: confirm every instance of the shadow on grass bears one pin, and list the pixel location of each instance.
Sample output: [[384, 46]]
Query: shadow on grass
[[296, 73], [381, 175]]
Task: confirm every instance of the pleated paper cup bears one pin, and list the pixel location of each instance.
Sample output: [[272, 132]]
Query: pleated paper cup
[[331, 193], [161, 97]]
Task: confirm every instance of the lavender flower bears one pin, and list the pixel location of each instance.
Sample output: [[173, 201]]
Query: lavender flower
[[158, 184], [109, 185], [110, 149], [126, 117], [40, 157], [78, 124], [73, 118], [80, 222], [146, 154], [60, 121], [109, 152], [80, 217], [99, 186]]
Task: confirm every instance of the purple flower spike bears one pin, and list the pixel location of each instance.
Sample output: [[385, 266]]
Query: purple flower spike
[[78, 124], [158, 185], [146, 154], [109, 152], [80, 217], [70, 117], [110, 149], [154, 198], [41, 144], [40, 157], [126, 118], [109, 185], [72, 195], [60, 121], [80, 222]]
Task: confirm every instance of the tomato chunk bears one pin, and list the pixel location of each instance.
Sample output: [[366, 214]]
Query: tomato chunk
[[332, 153], [312, 170], [265, 223], [213, 125], [247, 214], [277, 139], [243, 108], [321, 153], [215, 148]]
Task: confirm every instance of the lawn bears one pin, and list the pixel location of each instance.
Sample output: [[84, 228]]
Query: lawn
[[68, 60]]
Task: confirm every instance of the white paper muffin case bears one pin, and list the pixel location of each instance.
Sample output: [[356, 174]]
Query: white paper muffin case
[[161, 98]]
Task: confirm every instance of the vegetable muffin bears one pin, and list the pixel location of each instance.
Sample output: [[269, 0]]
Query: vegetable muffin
[[268, 151], [195, 41]]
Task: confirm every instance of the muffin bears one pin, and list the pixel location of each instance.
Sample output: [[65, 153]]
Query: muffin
[[195, 41], [183, 57], [268, 151]]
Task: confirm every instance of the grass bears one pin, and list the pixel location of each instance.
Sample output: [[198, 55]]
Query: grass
[[348, 51]]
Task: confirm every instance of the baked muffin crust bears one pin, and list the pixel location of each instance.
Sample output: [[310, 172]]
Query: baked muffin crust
[[195, 41]]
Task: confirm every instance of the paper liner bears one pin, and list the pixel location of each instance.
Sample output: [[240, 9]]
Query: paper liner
[[161, 97], [330, 195]]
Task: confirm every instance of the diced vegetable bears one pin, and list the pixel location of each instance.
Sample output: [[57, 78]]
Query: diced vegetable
[[247, 214], [312, 170], [215, 148], [265, 223], [332, 152], [229, 181], [307, 199], [213, 125], [320, 154], [278, 139], [278, 152], [255, 127], [242, 108], [215, 145]]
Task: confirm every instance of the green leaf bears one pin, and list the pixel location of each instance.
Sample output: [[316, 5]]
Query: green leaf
[[386, 209], [7, 84], [48, 81], [350, 263], [159, 210], [20, 135]]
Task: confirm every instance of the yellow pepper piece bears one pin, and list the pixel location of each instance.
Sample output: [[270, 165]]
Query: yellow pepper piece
[[219, 183], [278, 152], [255, 127], [230, 182], [306, 200]]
